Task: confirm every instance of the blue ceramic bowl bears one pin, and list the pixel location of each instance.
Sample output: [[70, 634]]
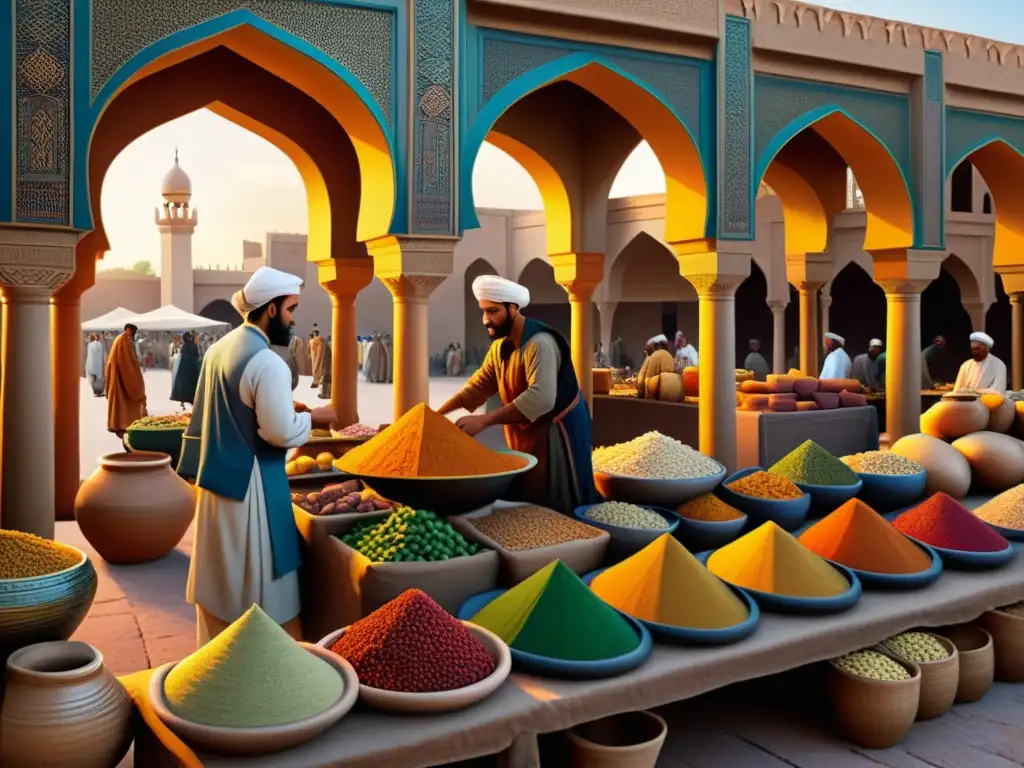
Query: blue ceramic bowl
[[660, 492], [692, 636], [630, 539], [962, 560], [705, 534], [771, 602], [1010, 534], [900, 581], [578, 670], [884, 493], [828, 498], [788, 514]]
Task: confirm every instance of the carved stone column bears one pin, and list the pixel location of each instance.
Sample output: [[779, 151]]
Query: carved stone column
[[343, 279], [33, 264], [1017, 340], [826, 304], [580, 274], [903, 356], [809, 272], [412, 267], [607, 312], [778, 309]]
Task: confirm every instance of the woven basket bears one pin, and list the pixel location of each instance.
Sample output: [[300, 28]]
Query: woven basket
[[875, 714]]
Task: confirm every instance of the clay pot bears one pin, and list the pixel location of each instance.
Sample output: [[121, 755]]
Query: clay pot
[[939, 681], [954, 417], [977, 661], [63, 707], [875, 714], [1007, 633], [629, 740], [134, 508]]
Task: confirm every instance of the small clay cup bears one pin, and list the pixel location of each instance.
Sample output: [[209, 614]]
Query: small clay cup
[[977, 660], [939, 680], [1007, 633], [875, 714]]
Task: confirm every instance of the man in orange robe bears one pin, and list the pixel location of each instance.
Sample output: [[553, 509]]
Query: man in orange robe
[[126, 388]]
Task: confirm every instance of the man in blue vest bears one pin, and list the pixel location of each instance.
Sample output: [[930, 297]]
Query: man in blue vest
[[246, 547], [530, 366]]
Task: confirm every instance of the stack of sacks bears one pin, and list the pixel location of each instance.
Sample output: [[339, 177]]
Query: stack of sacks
[[795, 392]]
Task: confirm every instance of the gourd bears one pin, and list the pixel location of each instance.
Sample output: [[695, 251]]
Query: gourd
[[996, 460], [950, 419], [946, 468], [1001, 411]]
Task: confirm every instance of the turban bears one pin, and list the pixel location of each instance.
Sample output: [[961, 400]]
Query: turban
[[661, 338], [875, 343], [983, 338], [754, 341], [835, 337], [266, 284], [500, 291]]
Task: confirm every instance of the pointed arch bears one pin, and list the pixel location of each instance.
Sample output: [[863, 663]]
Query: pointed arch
[[888, 202], [966, 280], [647, 266], [290, 59], [686, 177]]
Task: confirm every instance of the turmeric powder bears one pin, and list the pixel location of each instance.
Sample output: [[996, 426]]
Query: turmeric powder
[[765, 485], [424, 443]]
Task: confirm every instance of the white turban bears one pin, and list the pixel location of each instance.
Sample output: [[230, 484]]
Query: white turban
[[983, 338], [835, 337], [266, 284], [875, 343], [500, 291], [661, 338]]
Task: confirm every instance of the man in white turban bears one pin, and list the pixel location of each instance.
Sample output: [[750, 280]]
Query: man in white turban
[[244, 421], [529, 365], [984, 370], [866, 367], [837, 363]]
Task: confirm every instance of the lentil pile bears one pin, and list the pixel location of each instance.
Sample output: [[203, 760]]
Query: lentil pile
[[811, 464], [856, 536], [881, 463], [531, 527], [424, 443], [172, 421], [917, 646], [556, 615], [408, 535], [413, 645], [765, 485], [654, 456], [708, 508], [942, 521], [357, 430], [1017, 609], [1005, 510], [664, 583], [872, 665], [770, 560], [251, 675], [626, 516], [24, 556]]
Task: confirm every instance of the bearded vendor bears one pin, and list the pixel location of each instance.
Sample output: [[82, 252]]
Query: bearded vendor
[[529, 365], [984, 370], [246, 547]]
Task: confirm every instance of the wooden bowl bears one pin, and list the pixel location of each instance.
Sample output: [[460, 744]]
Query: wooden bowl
[[977, 660], [875, 714], [939, 680], [1007, 633]]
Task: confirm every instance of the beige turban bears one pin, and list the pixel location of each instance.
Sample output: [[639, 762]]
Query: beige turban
[[265, 285]]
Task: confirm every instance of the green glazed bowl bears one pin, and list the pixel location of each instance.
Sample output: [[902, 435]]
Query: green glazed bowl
[[158, 440], [42, 608]]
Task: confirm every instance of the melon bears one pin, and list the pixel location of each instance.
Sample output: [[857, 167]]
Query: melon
[[947, 469], [951, 419], [997, 460], [1001, 411]]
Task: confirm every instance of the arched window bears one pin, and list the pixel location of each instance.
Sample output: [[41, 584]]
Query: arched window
[[962, 188], [986, 204]]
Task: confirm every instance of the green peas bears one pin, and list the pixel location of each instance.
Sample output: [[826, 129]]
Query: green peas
[[408, 535]]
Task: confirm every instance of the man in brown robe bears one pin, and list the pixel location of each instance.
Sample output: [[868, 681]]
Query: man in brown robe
[[317, 357], [126, 387]]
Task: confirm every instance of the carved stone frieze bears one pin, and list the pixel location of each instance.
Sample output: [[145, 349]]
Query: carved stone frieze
[[777, 305], [894, 289], [412, 287], [37, 267], [715, 287]]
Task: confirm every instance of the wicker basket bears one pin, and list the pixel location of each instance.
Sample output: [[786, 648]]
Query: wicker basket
[[1007, 633], [875, 714], [977, 660], [939, 681]]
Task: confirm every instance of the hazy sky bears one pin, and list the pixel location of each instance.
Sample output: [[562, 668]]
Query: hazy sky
[[245, 187]]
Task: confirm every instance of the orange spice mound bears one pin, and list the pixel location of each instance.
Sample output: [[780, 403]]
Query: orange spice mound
[[424, 443], [858, 537]]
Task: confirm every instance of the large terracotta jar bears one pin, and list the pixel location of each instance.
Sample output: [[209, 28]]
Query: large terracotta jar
[[63, 707], [134, 508]]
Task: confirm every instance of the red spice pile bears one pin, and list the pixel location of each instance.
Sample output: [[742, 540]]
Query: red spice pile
[[943, 522], [413, 645]]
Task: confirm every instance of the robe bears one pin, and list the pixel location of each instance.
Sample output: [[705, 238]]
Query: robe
[[186, 374], [538, 377], [837, 365], [755, 362], [686, 357], [95, 357], [375, 365], [126, 388], [867, 371], [990, 373], [658, 362], [246, 546], [316, 354], [301, 356], [389, 357]]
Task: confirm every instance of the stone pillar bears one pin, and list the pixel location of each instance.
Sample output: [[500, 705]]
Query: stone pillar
[[716, 276], [580, 274], [903, 357], [412, 267], [1017, 340], [976, 310], [809, 272], [826, 304], [607, 312], [778, 309], [343, 279], [33, 264]]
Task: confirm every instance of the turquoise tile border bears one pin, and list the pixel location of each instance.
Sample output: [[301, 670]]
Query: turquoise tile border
[[968, 131], [735, 94], [7, 149]]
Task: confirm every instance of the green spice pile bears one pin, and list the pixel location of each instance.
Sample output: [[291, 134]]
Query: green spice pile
[[408, 535], [626, 516], [1006, 510], [811, 464], [1017, 609], [530, 527], [917, 646], [872, 665], [882, 463]]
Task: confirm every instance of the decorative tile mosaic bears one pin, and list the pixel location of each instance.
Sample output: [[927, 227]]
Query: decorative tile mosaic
[[735, 175], [434, 152]]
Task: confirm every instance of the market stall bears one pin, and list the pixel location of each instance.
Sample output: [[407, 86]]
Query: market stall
[[114, 320]]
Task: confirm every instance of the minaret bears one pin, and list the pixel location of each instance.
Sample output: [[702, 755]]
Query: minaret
[[176, 221]]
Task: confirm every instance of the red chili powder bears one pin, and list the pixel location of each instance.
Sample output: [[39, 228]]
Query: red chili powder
[[413, 645], [943, 522]]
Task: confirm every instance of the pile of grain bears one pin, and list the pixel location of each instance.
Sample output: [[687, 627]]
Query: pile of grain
[[1005, 510], [530, 527], [881, 463], [654, 456]]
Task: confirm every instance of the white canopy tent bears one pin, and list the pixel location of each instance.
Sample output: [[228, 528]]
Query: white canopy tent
[[170, 318], [113, 320]]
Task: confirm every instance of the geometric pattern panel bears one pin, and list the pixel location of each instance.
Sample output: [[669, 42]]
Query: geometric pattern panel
[[967, 129], [434, 109], [360, 39], [929, 175], [779, 101], [42, 98], [735, 175]]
